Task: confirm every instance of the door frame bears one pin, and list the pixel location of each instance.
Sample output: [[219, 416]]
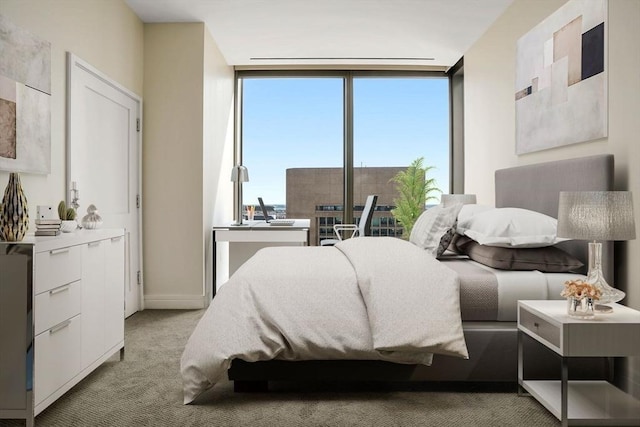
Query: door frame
[[76, 65]]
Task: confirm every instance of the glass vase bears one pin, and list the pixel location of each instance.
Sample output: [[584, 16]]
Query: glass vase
[[14, 211], [580, 308], [595, 276]]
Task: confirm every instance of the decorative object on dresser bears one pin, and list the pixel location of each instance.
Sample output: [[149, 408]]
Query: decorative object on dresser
[[239, 174], [68, 217], [61, 315], [597, 215], [14, 218], [92, 219], [48, 227]]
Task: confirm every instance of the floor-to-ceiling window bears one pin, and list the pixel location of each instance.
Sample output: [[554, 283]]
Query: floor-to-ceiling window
[[396, 120], [316, 144]]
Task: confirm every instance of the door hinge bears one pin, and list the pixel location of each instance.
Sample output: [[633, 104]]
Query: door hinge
[[137, 125], [139, 277], [138, 201]]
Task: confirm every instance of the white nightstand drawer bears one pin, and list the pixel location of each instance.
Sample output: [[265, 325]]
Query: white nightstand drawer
[[57, 267], [57, 359], [57, 305], [540, 327]]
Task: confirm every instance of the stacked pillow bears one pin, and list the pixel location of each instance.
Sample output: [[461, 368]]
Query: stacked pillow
[[512, 239], [434, 229], [502, 238], [510, 227]]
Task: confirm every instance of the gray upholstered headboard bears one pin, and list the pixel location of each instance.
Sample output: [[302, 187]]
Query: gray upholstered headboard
[[537, 187]]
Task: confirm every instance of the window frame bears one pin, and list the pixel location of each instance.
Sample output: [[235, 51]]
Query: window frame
[[456, 134]]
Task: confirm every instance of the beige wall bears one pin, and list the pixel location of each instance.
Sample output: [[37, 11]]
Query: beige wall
[[187, 91], [490, 117], [106, 34], [218, 148]]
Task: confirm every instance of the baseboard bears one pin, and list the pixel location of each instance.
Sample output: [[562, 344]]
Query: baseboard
[[175, 302]]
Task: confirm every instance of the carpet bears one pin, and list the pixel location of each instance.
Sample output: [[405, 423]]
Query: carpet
[[145, 389]]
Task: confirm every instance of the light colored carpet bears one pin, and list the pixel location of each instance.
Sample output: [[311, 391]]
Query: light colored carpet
[[145, 390]]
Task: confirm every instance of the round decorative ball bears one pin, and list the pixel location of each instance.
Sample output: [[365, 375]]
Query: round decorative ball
[[92, 219]]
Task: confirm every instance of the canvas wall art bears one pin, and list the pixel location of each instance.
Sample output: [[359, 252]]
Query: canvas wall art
[[25, 101], [561, 78]]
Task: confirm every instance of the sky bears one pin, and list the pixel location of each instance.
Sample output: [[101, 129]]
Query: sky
[[298, 122]]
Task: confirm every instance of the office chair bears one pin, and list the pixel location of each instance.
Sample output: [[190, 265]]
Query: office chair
[[363, 228]]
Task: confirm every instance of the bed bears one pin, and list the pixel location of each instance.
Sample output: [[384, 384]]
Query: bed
[[472, 337]]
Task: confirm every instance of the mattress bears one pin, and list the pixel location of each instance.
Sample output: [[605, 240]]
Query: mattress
[[489, 294]]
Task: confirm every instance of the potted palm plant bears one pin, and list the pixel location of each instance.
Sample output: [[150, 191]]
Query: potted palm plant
[[415, 190]]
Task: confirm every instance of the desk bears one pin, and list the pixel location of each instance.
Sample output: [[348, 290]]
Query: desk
[[246, 239]]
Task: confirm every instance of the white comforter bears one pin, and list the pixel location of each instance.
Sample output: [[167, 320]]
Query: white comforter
[[366, 298]]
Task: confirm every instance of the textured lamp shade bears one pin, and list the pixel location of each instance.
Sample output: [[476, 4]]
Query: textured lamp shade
[[596, 215], [239, 173], [450, 199]]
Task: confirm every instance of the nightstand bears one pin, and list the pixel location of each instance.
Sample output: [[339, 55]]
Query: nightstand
[[608, 335]]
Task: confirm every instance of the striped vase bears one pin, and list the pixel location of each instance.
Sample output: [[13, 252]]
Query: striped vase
[[14, 215]]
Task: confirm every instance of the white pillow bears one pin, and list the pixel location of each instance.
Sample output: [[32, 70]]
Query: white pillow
[[434, 228], [468, 211], [511, 227]]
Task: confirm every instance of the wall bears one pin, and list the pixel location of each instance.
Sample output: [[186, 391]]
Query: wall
[[188, 92], [106, 34], [490, 120], [217, 156]]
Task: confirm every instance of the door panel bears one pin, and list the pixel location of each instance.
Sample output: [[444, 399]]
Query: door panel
[[103, 159]]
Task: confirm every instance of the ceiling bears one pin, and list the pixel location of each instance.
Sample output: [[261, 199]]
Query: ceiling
[[433, 33]]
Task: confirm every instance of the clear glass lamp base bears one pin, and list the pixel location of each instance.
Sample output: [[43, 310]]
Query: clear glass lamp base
[[596, 278]]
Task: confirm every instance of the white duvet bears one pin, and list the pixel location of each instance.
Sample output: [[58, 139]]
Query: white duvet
[[366, 298]]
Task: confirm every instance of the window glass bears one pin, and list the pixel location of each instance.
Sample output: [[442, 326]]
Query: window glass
[[396, 121], [292, 136], [293, 144]]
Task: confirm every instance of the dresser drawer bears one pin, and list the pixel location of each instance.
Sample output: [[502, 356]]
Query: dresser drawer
[[57, 267], [540, 327], [57, 359], [57, 305]]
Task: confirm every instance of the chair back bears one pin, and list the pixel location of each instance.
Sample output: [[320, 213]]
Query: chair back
[[364, 225]]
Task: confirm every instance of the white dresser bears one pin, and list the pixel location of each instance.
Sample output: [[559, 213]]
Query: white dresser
[[61, 315]]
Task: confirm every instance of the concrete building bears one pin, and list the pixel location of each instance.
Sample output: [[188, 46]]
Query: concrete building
[[317, 193]]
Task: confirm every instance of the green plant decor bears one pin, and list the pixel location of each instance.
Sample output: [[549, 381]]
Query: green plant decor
[[65, 213], [415, 190]]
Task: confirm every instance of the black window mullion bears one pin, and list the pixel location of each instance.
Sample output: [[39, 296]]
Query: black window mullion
[[348, 149]]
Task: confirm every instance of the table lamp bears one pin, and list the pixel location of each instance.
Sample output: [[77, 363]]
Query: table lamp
[[597, 215], [450, 199], [239, 174]]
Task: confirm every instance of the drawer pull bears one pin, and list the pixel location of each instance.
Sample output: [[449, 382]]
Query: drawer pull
[[116, 239], [59, 251], [93, 244], [58, 290], [59, 327]]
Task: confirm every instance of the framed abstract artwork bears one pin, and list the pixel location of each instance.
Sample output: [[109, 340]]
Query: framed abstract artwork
[[561, 78], [25, 101]]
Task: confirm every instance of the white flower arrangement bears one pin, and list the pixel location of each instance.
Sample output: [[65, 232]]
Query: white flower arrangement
[[580, 289]]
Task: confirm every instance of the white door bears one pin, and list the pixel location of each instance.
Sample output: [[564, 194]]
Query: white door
[[103, 160]]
